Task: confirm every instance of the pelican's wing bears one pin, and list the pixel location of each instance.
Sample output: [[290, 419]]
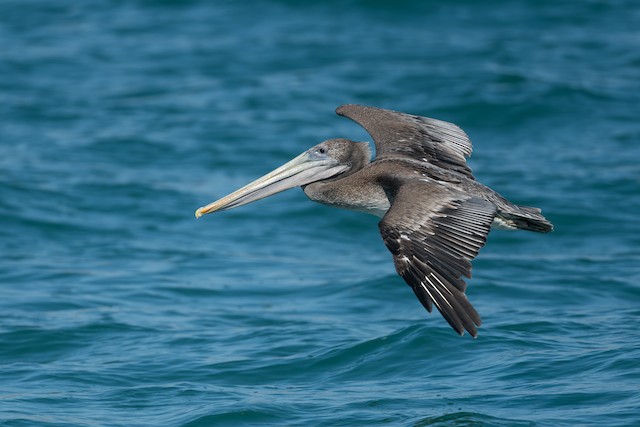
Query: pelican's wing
[[421, 138], [433, 234]]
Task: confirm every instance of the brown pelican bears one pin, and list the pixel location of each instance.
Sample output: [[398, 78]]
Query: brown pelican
[[435, 215]]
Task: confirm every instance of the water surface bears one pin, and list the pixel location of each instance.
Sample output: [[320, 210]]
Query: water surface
[[118, 119]]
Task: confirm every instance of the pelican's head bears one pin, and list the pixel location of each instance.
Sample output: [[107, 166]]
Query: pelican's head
[[327, 160]]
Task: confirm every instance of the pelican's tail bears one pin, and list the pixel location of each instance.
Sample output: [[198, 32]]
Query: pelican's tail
[[524, 218]]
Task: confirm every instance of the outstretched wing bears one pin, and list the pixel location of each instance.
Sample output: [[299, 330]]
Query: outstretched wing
[[434, 233], [394, 133]]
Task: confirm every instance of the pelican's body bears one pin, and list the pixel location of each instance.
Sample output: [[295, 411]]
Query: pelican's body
[[435, 215]]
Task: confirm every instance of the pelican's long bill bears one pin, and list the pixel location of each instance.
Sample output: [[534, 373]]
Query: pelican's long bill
[[304, 169]]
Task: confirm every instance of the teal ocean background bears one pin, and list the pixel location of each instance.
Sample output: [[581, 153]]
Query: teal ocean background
[[118, 308]]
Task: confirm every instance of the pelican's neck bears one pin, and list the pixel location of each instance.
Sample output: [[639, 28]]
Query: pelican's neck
[[354, 192]]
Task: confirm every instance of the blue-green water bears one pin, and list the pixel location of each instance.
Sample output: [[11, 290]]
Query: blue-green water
[[119, 308]]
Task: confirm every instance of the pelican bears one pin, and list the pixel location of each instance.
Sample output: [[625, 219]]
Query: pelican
[[435, 216]]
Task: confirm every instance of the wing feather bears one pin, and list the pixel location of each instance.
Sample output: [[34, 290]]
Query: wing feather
[[421, 138], [434, 233]]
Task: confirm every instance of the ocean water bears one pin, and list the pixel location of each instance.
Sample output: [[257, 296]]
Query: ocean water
[[118, 308]]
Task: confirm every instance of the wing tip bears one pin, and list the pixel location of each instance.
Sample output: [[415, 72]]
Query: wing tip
[[471, 329], [455, 308], [343, 110]]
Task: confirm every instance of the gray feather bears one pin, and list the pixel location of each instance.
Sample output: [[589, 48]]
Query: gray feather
[[433, 233]]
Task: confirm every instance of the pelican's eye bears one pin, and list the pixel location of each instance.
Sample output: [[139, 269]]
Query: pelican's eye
[[319, 152]]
